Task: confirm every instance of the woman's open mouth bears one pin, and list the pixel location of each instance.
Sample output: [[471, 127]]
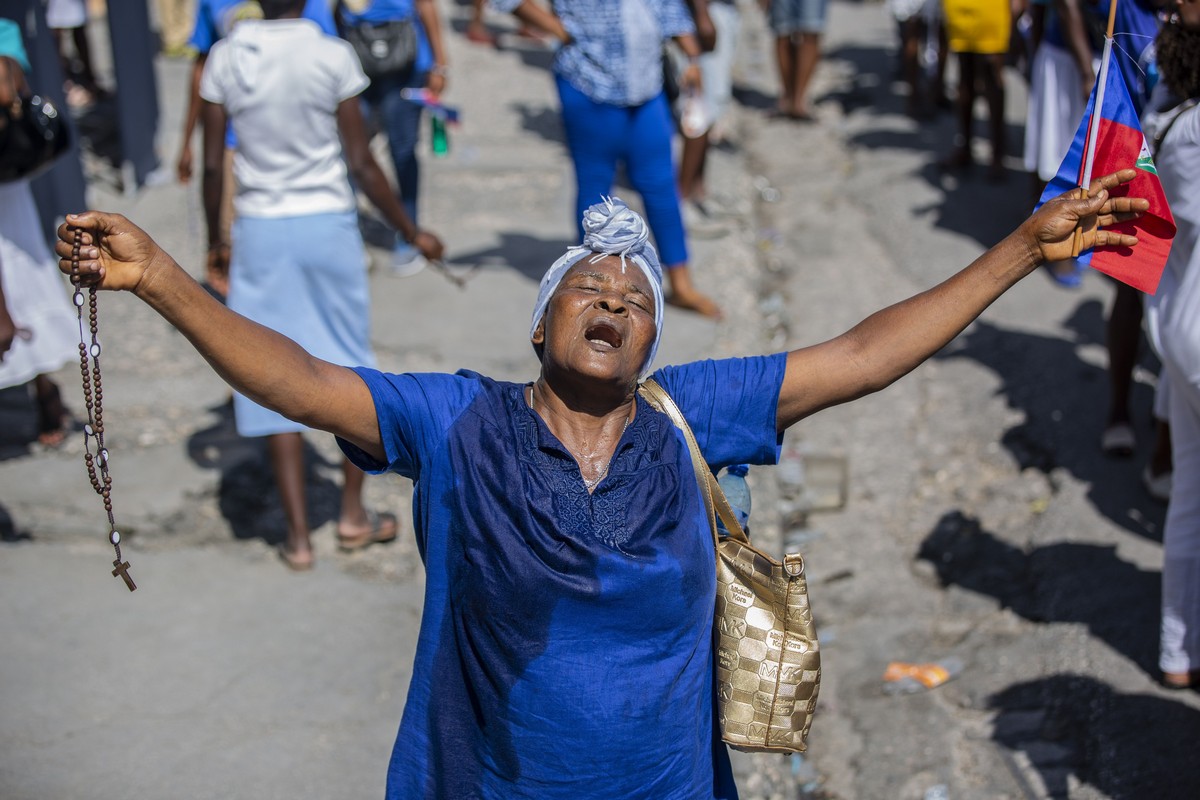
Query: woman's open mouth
[[604, 334]]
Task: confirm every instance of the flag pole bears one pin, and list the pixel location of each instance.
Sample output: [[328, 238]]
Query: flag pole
[[1094, 123]]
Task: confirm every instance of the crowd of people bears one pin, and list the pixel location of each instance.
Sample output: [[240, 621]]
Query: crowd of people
[[288, 94]]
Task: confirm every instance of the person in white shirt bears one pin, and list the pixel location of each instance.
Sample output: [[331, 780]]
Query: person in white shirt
[[298, 262]]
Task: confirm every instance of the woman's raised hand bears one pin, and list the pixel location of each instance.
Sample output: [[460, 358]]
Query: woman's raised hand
[[113, 254], [1050, 232]]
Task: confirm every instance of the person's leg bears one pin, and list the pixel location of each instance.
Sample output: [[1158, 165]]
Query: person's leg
[[960, 155], [808, 53], [1179, 653], [476, 31], [993, 87], [910, 65], [647, 155], [51, 413], [286, 451], [401, 122], [1122, 336], [786, 58], [83, 49], [691, 167], [594, 134]]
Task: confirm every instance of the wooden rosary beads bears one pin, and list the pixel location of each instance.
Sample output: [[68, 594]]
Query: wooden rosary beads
[[93, 398]]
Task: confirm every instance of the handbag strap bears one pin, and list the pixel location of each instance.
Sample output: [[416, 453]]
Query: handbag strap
[[715, 503]]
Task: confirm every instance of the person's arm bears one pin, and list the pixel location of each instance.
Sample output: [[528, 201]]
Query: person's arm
[[1070, 13], [213, 187], [427, 11], [538, 16], [706, 31], [370, 178], [262, 364], [183, 166], [891, 343]]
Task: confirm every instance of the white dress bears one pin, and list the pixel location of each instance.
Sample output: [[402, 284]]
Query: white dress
[[1173, 320], [34, 290]]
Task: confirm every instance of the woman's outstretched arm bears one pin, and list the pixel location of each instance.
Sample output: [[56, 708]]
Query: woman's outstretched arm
[[891, 343], [266, 366]]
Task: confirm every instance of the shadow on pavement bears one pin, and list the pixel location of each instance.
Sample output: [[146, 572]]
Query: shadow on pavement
[[246, 493], [1123, 745], [526, 254], [1064, 582], [1064, 401]]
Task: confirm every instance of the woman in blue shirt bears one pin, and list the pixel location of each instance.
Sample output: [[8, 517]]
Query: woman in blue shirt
[[609, 78], [565, 647]]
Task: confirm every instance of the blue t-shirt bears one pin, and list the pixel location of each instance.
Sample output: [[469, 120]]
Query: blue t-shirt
[[565, 647], [390, 11], [216, 18]]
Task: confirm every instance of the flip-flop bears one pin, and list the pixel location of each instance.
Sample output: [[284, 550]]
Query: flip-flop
[[384, 528], [1118, 440]]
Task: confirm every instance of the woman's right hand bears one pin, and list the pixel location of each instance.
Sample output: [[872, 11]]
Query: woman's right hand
[[430, 245], [113, 254]]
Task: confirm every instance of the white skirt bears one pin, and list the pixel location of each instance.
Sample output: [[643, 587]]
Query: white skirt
[[35, 291], [1056, 105]]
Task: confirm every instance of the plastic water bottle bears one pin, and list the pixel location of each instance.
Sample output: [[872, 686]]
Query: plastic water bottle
[[737, 492], [438, 137]]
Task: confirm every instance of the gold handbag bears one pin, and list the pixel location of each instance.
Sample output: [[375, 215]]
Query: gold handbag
[[768, 662]]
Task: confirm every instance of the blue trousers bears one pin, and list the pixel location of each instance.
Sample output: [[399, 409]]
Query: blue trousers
[[600, 136], [400, 121]]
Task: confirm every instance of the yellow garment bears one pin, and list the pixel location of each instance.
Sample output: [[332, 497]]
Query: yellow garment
[[978, 26]]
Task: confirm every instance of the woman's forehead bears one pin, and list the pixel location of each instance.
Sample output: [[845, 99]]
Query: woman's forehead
[[609, 267]]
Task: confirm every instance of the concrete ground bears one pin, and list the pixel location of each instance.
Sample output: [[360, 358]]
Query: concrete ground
[[975, 518]]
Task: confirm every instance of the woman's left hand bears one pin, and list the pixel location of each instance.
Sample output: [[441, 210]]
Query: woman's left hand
[[1050, 232]]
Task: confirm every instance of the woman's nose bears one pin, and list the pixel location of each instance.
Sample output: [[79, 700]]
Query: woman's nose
[[612, 303]]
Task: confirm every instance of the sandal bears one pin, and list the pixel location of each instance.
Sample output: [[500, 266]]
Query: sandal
[[1118, 440], [383, 530]]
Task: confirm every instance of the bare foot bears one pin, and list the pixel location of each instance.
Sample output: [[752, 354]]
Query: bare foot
[[683, 293], [296, 560], [693, 300]]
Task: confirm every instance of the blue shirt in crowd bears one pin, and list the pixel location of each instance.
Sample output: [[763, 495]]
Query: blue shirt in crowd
[[565, 648], [389, 11], [616, 55]]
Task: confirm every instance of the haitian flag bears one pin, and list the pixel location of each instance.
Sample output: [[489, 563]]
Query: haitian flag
[[1120, 144]]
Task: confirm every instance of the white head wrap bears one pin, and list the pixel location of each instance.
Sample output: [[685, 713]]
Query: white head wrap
[[610, 228]]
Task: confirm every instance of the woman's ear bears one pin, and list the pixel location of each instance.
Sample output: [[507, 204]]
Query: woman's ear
[[539, 333]]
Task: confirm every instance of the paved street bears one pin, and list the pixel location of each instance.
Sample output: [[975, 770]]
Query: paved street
[[979, 519]]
